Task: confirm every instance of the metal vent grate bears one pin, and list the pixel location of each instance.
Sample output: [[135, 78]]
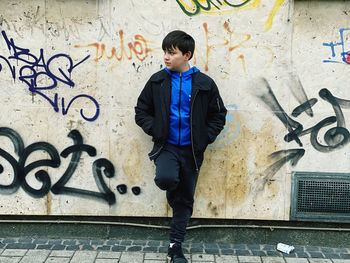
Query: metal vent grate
[[320, 197]]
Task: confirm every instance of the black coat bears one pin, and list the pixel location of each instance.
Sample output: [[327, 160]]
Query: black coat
[[207, 114]]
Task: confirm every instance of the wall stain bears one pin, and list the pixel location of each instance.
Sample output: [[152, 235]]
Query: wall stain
[[48, 203], [132, 163], [228, 176]]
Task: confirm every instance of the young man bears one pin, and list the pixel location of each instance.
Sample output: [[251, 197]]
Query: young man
[[182, 110]]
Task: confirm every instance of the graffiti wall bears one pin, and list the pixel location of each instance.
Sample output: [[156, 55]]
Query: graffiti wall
[[71, 71]]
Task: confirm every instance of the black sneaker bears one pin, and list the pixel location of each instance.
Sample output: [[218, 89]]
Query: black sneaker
[[175, 254]]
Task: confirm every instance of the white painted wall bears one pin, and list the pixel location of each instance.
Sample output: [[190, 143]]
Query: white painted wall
[[80, 65]]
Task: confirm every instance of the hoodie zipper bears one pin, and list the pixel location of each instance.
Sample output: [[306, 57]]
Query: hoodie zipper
[[180, 109], [194, 156]]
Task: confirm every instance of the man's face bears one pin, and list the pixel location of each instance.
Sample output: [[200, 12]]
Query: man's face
[[176, 61]]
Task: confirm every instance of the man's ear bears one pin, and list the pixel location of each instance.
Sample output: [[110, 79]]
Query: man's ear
[[188, 55]]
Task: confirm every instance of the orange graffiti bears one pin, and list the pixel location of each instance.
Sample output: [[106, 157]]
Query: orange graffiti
[[138, 47], [234, 41], [209, 47]]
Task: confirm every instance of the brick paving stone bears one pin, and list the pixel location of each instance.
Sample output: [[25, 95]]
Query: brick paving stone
[[249, 259], [25, 240], [211, 251], [224, 245], [9, 240], [154, 261], [196, 250], [296, 260], [272, 260], [316, 254], [341, 260], [38, 252], [259, 253], [139, 242], [118, 248], [157, 256], [134, 248], [40, 241], [35, 256], [299, 249], [239, 246], [203, 257], [125, 242], [153, 243], [269, 247], [33, 259], [210, 245], [273, 253], [345, 256], [128, 257], [302, 255], [74, 247], [253, 247], [331, 255], [242, 252], [55, 242], [61, 253], [197, 245], [10, 259], [104, 248], [87, 247], [319, 260], [83, 242], [105, 260], [112, 242], [14, 252], [20, 246], [43, 246], [58, 247], [84, 257], [57, 260], [227, 251], [150, 249], [327, 250], [97, 242], [341, 250], [226, 259], [69, 242], [105, 254], [163, 250]]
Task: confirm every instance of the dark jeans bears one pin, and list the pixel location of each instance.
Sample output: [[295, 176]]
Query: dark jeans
[[176, 173]]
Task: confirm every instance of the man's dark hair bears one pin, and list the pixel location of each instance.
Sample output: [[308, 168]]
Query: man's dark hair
[[183, 41]]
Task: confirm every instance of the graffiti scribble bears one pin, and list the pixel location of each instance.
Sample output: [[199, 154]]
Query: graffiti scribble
[[138, 47], [210, 6], [334, 138], [100, 168], [344, 54], [41, 75], [224, 6]]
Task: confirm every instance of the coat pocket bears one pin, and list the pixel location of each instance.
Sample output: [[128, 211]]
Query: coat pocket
[[155, 152]]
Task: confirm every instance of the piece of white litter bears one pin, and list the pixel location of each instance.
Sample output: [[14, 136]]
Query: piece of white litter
[[284, 248]]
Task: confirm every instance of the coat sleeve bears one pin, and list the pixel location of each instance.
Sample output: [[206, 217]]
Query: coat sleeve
[[216, 114], [144, 110]]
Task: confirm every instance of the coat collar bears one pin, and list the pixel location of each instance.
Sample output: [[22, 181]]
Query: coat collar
[[200, 81]]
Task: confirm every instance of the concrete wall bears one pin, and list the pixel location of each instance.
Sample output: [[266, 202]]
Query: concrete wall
[[71, 72]]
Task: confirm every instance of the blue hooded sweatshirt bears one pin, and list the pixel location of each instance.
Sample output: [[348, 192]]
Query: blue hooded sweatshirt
[[180, 107]]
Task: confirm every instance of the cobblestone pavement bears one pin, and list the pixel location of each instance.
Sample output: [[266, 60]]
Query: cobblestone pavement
[[43, 250]]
